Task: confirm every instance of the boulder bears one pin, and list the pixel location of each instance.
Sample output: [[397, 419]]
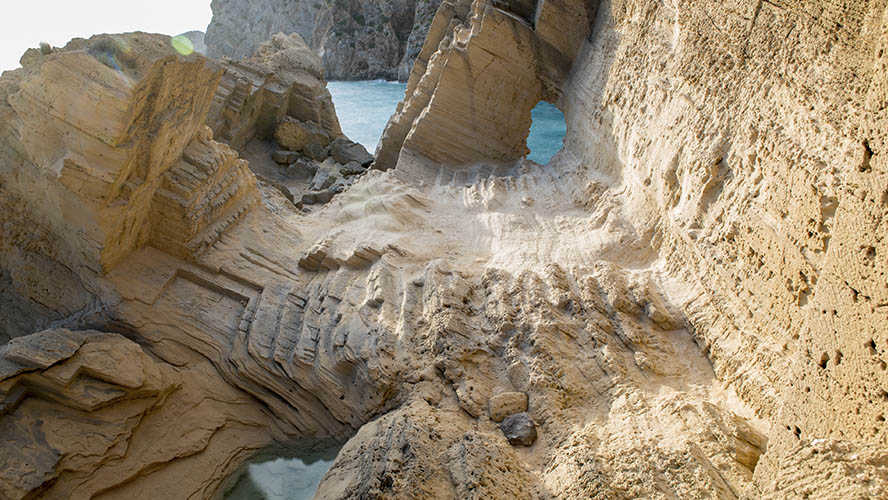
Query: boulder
[[309, 198], [352, 168], [284, 157], [295, 135], [507, 403], [316, 151], [322, 180], [324, 196], [345, 151], [304, 167], [519, 429]]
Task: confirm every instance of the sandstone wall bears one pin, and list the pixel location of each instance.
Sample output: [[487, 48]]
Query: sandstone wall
[[743, 139], [356, 40]]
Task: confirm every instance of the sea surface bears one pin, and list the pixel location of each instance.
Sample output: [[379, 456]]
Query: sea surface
[[365, 107]]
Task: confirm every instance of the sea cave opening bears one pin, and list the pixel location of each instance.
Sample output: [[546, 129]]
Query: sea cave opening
[[547, 132]]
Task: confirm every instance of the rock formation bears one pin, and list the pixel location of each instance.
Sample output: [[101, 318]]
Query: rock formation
[[197, 39], [358, 40], [283, 78], [686, 302]]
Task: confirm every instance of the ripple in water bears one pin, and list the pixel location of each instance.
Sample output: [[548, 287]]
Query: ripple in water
[[365, 107], [282, 474]]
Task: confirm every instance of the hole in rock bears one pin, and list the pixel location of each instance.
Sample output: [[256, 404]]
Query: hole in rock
[[547, 132], [824, 360], [282, 472], [867, 157]]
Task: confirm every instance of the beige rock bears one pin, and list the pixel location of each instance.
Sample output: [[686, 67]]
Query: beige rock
[[284, 78], [506, 403], [693, 301], [296, 135]]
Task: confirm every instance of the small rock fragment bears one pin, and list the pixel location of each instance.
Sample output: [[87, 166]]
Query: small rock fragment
[[352, 168], [324, 196], [284, 190], [284, 157], [507, 403], [519, 429], [316, 151]]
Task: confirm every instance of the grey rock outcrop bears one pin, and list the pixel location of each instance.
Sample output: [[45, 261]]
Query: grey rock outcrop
[[357, 40], [345, 151], [198, 40]]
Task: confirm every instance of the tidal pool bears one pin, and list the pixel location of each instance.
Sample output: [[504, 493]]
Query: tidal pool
[[282, 473]]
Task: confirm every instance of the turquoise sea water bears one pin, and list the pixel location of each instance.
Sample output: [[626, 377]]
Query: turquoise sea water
[[365, 107]]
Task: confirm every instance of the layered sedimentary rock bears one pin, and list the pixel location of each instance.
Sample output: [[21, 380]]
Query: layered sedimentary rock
[[686, 302], [83, 412], [483, 68], [356, 40], [275, 110], [282, 79]]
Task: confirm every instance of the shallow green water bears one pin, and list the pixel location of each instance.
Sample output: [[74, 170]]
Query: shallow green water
[[365, 107], [282, 474]]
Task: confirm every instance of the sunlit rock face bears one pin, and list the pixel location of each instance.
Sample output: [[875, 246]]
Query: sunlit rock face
[[686, 302], [283, 78], [357, 40], [508, 57]]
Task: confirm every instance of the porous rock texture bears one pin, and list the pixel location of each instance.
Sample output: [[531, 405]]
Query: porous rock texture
[[690, 294], [357, 40]]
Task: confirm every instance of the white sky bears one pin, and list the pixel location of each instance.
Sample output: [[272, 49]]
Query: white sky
[[26, 23]]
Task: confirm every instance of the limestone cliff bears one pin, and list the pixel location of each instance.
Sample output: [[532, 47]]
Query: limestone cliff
[[357, 40], [686, 302]]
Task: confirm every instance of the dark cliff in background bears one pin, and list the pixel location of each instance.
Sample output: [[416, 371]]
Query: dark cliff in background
[[357, 40]]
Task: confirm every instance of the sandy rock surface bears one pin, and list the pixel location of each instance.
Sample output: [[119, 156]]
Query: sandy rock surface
[[690, 294]]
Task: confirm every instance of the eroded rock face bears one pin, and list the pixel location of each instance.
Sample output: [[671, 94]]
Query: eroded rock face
[[483, 68], [688, 294], [357, 40], [282, 80], [85, 411]]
